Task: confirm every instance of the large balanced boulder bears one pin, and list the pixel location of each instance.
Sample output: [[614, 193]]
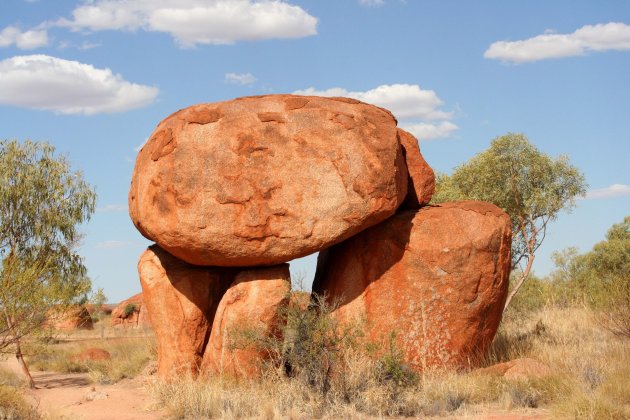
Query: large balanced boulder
[[263, 180], [435, 279], [421, 183], [181, 300], [249, 314]]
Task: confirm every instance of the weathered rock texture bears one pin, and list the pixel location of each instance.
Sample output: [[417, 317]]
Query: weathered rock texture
[[264, 180], [436, 278], [130, 313], [181, 300], [421, 182], [250, 309]]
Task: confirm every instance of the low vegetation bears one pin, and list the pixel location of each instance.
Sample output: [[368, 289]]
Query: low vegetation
[[130, 354], [129, 357], [590, 377], [13, 405]]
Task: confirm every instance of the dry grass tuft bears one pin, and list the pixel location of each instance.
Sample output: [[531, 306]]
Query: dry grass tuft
[[12, 403]]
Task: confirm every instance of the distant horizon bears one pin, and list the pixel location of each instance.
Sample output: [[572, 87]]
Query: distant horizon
[[94, 78]]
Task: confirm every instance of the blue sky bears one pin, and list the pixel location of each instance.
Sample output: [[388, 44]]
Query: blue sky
[[95, 77]]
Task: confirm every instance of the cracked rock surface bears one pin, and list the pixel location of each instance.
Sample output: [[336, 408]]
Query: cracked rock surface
[[264, 180]]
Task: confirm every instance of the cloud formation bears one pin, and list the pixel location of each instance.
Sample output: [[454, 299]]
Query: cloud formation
[[600, 37], [613, 191], [68, 87], [27, 40], [371, 3], [193, 22], [411, 105], [240, 78], [426, 131]]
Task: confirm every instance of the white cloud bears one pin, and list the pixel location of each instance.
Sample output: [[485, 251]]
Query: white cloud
[[615, 190], [371, 3], [68, 87], [404, 101], [240, 79], [87, 45], [411, 105], [193, 22], [601, 37], [112, 208], [27, 40], [428, 131], [113, 244]]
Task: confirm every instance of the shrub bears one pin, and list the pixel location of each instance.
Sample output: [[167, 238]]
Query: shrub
[[130, 308]]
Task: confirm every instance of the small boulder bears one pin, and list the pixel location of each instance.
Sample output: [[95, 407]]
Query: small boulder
[[181, 300], [523, 368], [248, 314], [264, 180], [436, 280]]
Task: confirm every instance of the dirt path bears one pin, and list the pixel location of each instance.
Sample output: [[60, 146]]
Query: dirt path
[[71, 396]]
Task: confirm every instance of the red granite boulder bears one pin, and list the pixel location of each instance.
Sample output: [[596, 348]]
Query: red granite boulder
[[263, 180], [181, 300], [249, 313], [436, 279]]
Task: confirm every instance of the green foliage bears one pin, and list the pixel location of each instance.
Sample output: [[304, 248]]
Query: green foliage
[[608, 267], [599, 278], [42, 203], [313, 342], [529, 185], [98, 299], [391, 367], [130, 308], [533, 296]]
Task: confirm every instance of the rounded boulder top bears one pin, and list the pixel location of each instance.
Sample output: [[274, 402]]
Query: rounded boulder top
[[263, 180]]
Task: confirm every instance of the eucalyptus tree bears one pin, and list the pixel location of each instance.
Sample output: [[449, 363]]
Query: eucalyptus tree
[[531, 186], [42, 205]]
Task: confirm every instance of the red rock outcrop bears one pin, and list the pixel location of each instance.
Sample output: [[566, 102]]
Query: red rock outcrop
[[69, 319], [130, 313], [250, 309], [264, 180], [181, 300], [421, 182], [436, 278]]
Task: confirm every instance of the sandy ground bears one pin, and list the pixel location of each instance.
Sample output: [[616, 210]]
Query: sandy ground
[[71, 396]]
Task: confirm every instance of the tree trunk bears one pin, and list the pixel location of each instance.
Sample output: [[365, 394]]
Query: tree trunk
[[22, 362], [520, 281]]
